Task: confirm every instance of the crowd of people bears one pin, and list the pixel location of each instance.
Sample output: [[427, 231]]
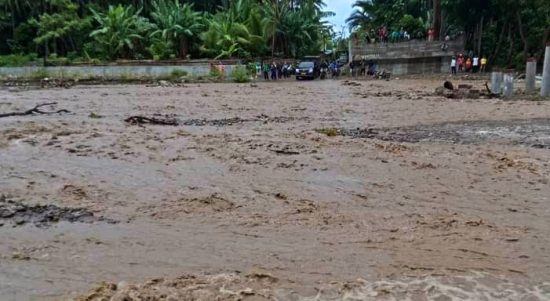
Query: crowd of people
[[383, 35], [468, 63], [277, 70], [274, 71]]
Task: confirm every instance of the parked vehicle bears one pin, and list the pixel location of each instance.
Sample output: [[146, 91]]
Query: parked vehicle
[[307, 70]]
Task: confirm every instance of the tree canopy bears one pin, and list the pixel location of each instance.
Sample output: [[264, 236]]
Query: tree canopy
[[506, 31], [162, 29]]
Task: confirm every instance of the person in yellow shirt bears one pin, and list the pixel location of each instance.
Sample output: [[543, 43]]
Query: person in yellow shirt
[[483, 63]]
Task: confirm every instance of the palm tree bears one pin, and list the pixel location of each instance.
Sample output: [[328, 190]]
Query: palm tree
[[275, 11], [361, 15]]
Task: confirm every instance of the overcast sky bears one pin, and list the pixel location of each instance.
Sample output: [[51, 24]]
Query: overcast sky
[[342, 8]]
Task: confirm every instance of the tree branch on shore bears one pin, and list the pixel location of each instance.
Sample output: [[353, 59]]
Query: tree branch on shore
[[150, 120], [35, 110]]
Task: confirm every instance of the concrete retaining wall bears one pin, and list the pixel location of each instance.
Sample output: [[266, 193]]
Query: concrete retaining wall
[[420, 65], [109, 71], [412, 57]]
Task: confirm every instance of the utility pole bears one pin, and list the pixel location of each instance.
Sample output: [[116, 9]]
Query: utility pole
[[530, 75], [545, 89]]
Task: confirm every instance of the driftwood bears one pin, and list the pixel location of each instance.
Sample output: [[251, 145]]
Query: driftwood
[[35, 110], [150, 120]]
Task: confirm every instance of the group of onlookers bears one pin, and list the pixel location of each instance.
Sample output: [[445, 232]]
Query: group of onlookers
[[468, 63], [383, 35], [274, 71]]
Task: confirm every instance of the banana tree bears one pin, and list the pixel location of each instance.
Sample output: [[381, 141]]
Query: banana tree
[[120, 30], [177, 23], [226, 38]]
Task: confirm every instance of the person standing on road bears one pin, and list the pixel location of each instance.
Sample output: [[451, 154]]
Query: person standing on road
[[475, 64], [453, 66], [274, 71], [483, 63], [460, 62], [266, 71], [468, 65]]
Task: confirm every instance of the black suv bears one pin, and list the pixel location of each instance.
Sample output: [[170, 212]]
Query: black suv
[[307, 70]]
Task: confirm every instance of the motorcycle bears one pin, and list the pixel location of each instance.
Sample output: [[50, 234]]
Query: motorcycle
[[323, 73], [336, 72]]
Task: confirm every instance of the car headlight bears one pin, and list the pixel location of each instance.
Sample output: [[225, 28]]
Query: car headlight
[[311, 70], [297, 70]]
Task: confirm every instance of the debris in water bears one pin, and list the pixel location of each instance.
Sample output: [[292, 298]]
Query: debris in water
[[20, 214]]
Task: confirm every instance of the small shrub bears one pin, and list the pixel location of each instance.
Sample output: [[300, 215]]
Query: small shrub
[[178, 73], [54, 60], [215, 72], [240, 75]]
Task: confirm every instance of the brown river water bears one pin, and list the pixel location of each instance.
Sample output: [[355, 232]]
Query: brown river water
[[249, 198]]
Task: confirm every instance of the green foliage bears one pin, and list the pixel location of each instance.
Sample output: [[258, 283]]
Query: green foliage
[[411, 24], [214, 72], [40, 74], [162, 29], [161, 49], [17, 60], [121, 31], [251, 68], [240, 74], [176, 24], [226, 38], [178, 73], [507, 32], [60, 25]]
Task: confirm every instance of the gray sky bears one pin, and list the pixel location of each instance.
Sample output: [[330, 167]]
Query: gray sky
[[342, 8]]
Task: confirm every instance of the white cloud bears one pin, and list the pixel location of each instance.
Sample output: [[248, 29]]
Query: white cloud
[[342, 9]]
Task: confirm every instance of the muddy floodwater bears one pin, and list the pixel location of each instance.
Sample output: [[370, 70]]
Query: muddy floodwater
[[378, 190]]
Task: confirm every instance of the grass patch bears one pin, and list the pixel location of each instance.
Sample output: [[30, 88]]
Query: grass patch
[[331, 132], [40, 74]]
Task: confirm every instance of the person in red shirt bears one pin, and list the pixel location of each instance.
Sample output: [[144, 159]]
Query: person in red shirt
[[460, 62], [468, 65], [430, 35]]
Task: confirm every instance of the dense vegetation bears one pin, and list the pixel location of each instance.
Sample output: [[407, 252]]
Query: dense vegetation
[[91, 30], [506, 31]]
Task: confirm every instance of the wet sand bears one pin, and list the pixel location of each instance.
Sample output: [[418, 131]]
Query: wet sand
[[250, 193]]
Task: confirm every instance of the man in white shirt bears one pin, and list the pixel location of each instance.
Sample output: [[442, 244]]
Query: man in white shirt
[[475, 64], [453, 65]]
